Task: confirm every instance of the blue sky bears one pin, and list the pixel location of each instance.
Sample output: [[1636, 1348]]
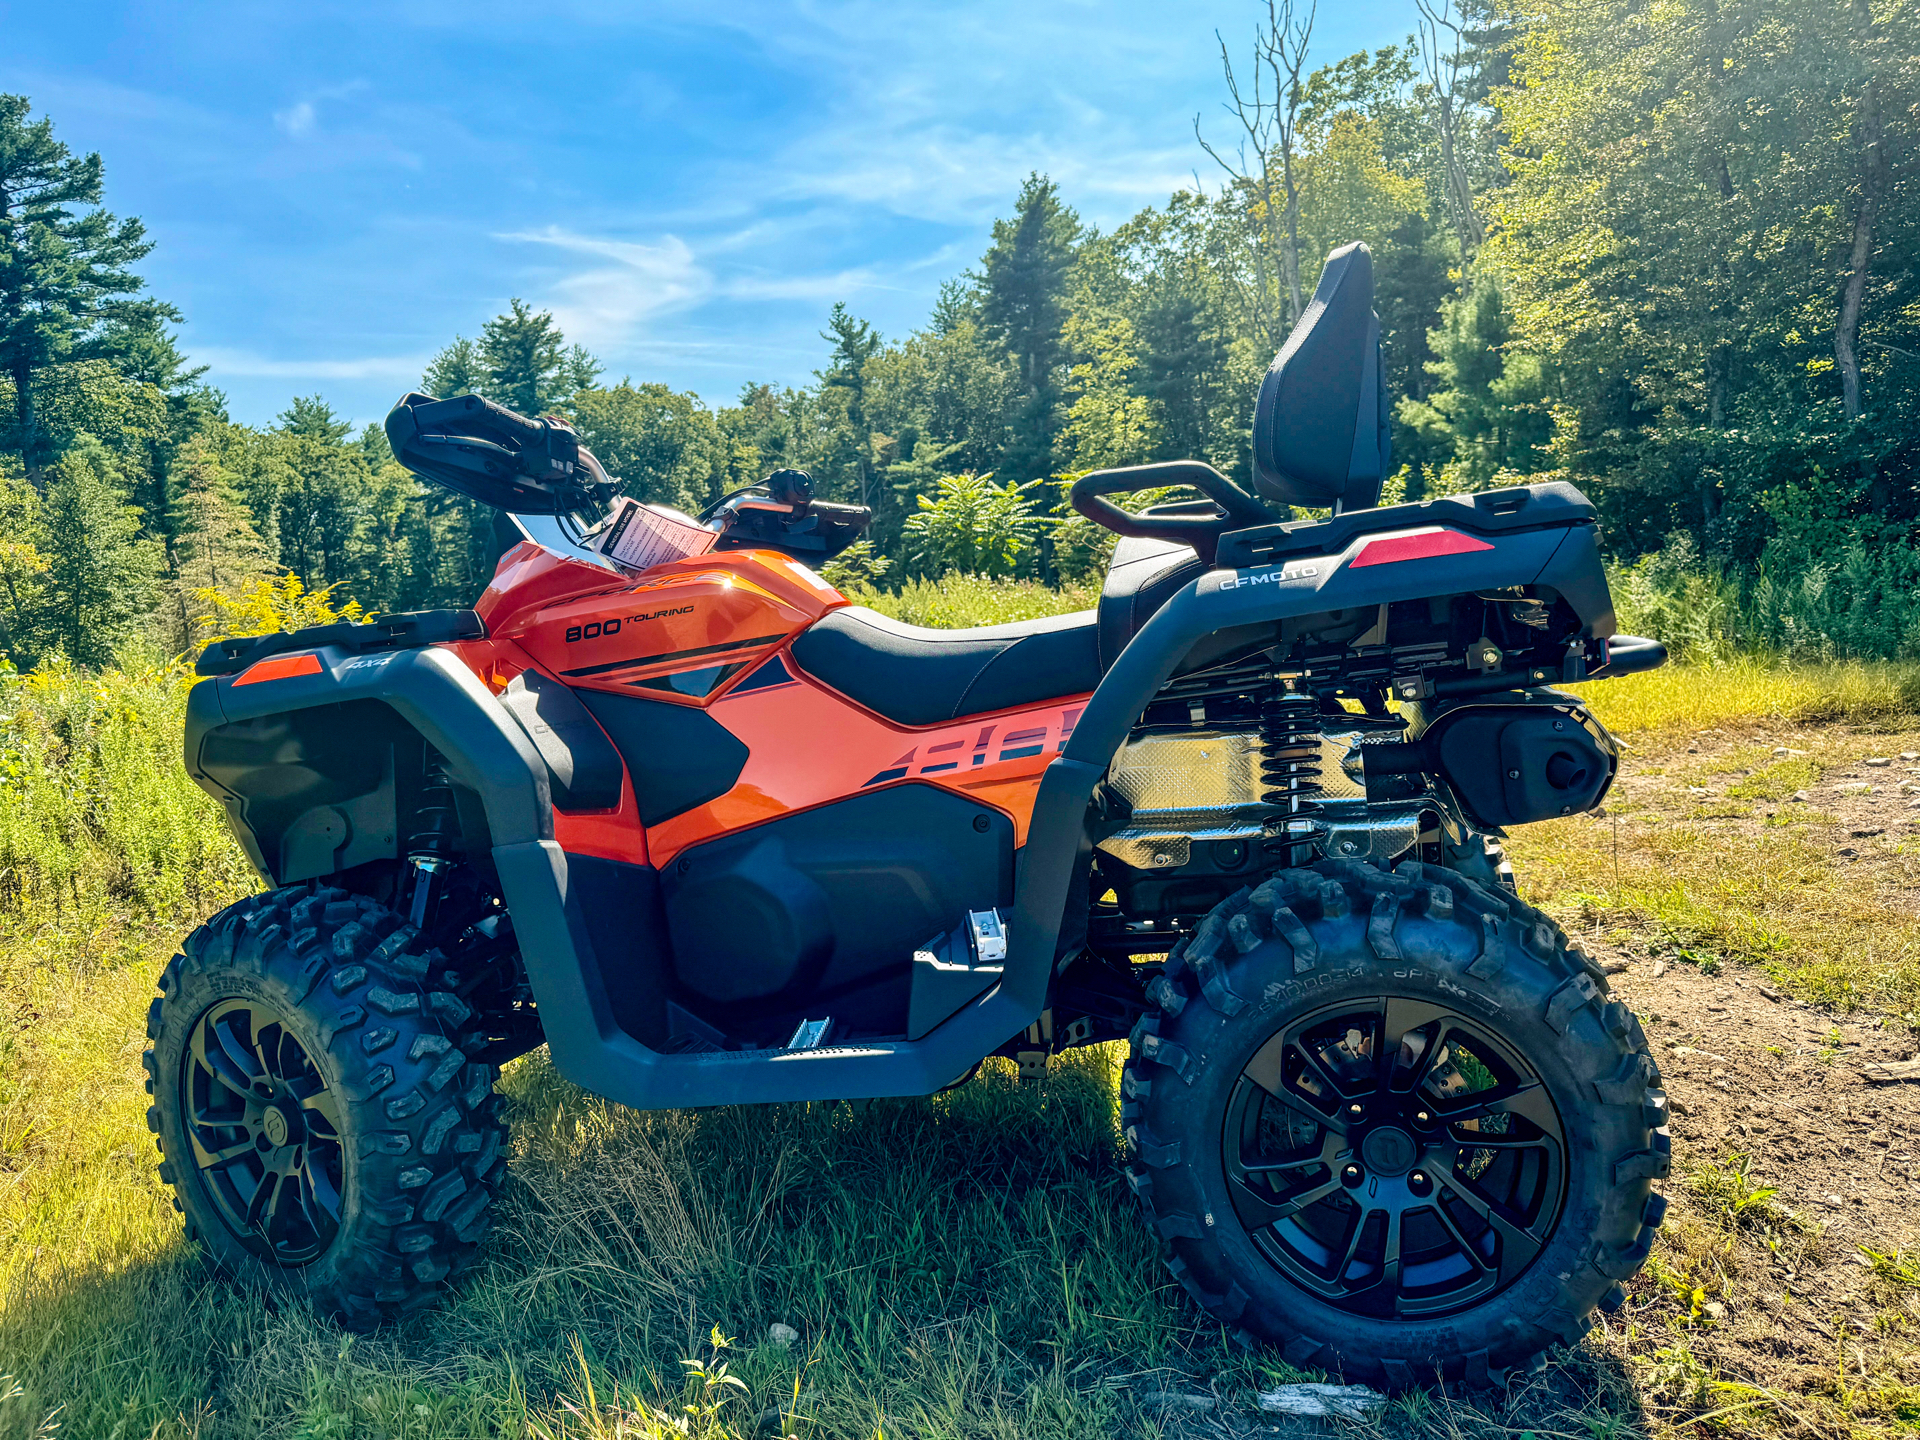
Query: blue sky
[[335, 190]]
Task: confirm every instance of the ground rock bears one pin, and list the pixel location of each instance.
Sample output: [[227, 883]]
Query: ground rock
[[1319, 1398]]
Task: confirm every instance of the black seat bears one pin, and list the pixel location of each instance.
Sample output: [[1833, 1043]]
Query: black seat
[[1141, 578], [1321, 426], [916, 676]]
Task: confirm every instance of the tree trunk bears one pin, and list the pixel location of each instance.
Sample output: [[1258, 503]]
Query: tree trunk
[[1718, 365], [1468, 230], [1288, 239], [1847, 327], [28, 424]]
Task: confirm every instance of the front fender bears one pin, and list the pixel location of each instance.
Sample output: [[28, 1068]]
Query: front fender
[[428, 690]]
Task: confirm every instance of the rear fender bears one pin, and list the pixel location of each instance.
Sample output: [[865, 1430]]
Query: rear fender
[[1250, 601]]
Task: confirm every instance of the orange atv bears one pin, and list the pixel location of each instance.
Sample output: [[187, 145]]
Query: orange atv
[[667, 803]]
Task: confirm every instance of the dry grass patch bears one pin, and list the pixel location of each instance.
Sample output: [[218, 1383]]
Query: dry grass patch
[[1679, 698]]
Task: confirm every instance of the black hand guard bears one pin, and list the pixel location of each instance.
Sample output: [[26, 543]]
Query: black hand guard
[[487, 452]]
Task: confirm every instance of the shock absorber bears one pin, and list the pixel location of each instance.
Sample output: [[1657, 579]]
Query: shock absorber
[[432, 839], [1291, 775]]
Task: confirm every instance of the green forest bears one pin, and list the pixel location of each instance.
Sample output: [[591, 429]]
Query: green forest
[[1663, 249]]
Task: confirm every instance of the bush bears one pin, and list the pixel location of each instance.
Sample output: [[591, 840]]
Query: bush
[[1854, 604], [96, 809]]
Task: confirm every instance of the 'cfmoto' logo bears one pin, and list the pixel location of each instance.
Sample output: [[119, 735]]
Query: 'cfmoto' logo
[[1295, 570]]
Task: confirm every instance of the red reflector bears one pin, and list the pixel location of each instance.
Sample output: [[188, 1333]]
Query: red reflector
[[279, 667], [1417, 545]]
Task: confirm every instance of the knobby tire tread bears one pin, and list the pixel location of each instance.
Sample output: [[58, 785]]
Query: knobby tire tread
[[421, 1118], [1264, 939]]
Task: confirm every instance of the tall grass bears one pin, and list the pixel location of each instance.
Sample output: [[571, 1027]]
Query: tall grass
[[97, 815], [1854, 603], [957, 599]]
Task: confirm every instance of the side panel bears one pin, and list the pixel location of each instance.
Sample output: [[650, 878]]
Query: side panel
[[814, 904], [681, 632], [678, 756], [309, 791], [808, 746], [238, 735]]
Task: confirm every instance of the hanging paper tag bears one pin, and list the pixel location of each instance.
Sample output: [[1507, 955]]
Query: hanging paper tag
[[641, 536]]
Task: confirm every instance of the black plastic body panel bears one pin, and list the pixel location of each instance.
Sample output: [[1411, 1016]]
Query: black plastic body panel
[[622, 908], [679, 756], [1489, 513], [806, 909], [583, 768], [310, 792], [409, 695]]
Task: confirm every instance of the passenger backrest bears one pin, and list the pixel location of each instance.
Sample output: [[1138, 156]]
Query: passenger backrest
[[1321, 435]]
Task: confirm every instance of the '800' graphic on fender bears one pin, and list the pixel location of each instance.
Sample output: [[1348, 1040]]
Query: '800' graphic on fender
[[978, 745]]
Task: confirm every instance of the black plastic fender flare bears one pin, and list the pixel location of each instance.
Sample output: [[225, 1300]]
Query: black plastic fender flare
[[433, 692]]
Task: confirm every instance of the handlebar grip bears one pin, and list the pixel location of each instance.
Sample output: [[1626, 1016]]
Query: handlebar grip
[[1199, 531]]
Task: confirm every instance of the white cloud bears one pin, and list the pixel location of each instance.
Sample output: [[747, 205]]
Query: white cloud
[[604, 307], [371, 367], [838, 286], [296, 120]]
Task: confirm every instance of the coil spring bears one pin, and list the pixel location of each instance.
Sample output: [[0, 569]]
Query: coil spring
[[436, 826], [1291, 776]]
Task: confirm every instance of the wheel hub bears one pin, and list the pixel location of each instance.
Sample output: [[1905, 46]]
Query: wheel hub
[[1389, 1151], [1394, 1157], [264, 1129]]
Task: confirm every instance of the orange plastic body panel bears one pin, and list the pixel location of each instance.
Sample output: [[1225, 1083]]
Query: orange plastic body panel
[[704, 620], [808, 745], [278, 668], [687, 633]]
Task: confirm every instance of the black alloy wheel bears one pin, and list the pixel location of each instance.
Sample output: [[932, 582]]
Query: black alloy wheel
[[323, 1120], [265, 1131], [1392, 1124], [1395, 1158]]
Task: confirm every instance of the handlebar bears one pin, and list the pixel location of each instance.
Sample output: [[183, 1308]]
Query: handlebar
[[1239, 509]]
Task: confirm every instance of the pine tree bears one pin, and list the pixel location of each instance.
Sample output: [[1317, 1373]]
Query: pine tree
[[1023, 286], [100, 574], [313, 419], [845, 380], [211, 546], [526, 364], [64, 277], [455, 371], [1488, 413]]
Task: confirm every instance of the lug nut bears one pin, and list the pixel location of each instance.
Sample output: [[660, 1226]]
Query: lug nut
[[1354, 1109], [1418, 1183], [1350, 1175]]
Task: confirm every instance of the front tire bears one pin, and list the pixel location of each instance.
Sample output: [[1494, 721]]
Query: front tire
[[1393, 1125], [323, 1130]]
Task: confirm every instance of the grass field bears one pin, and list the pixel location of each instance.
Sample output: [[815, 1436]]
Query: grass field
[[968, 1264]]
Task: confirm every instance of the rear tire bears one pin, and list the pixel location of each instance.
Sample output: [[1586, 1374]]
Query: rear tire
[[1373, 1237], [324, 1132]]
